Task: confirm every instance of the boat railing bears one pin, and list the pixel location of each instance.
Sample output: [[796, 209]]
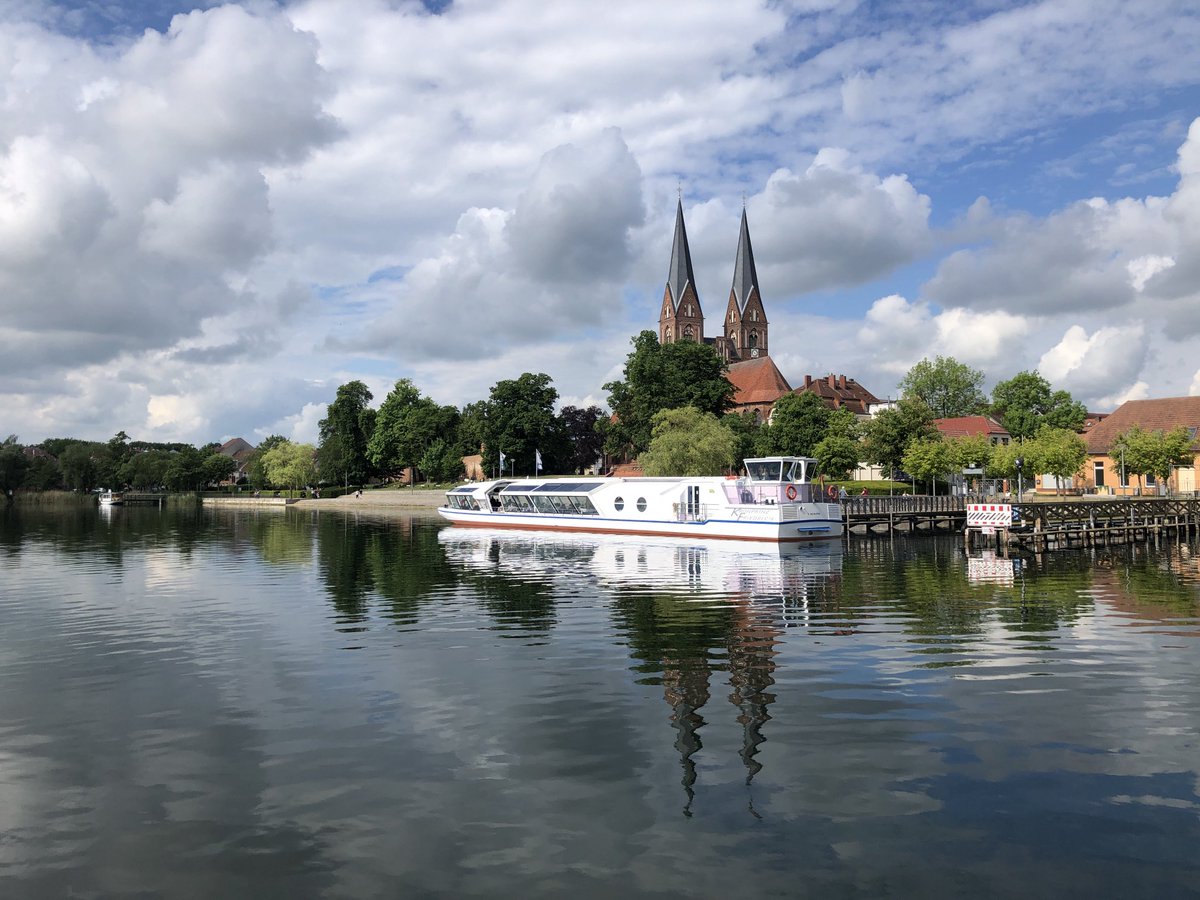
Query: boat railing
[[772, 493]]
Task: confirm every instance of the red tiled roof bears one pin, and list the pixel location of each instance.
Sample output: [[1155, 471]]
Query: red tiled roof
[[966, 426], [757, 381], [1152, 415]]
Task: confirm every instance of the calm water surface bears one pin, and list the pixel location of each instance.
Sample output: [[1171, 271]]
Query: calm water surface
[[300, 704]]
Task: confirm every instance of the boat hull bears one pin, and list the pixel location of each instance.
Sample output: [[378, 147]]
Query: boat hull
[[815, 528]]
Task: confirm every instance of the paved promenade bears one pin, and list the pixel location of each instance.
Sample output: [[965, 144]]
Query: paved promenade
[[378, 500]]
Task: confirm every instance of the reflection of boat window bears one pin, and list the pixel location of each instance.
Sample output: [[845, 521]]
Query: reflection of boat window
[[619, 504], [641, 504]]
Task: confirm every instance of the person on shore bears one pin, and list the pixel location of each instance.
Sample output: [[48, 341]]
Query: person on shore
[[842, 495]]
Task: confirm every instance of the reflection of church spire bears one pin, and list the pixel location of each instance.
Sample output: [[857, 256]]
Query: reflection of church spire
[[751, 664], [686, 689]]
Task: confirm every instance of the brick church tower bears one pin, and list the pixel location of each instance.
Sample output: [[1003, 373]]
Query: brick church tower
[[682, 319], [745, 318]]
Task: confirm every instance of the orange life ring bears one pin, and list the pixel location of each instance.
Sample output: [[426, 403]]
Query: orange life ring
[[791, 492]]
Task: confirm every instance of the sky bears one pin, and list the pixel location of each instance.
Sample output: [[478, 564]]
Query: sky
[[212, 217]]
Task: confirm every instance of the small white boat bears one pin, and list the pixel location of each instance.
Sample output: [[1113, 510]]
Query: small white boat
[[111, 498], [776, 500]]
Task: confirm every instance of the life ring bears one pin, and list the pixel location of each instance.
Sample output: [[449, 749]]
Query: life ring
[[791, 492]]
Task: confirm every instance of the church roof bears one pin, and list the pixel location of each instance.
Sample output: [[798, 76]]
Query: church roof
[[681, 260], [757, 381], [745, 277]]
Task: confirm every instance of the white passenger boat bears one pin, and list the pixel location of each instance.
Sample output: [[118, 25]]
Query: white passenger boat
[[111, 498], [776, 500]]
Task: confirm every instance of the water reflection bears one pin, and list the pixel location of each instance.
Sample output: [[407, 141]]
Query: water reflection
[[531, 713]]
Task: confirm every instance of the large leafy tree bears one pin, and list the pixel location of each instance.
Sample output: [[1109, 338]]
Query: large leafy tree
[[946, 386], [1025, 403], [521, 422], [585, 443], [256, 471], [798, 423], [290, 465], [840, 450], [407, 426], [927, 458], [346, 431], [687, 441], [663, 376], [889, 433], [13, 465], [79, 463]]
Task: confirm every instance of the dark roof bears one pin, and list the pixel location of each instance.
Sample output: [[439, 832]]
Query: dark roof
[[681, 260], [745, 277], [1151, 415], [757, 381], [234, 446], [838, 391]]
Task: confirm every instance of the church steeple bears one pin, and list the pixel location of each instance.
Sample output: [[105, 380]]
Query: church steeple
[[745, 278], [745, 317], [682, 318]]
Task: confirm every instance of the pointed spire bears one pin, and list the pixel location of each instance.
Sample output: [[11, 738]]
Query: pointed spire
[[681, 259], [745, 277]]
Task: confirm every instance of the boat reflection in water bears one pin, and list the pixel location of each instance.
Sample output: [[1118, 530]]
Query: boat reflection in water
[[716, 658], [702, 568]]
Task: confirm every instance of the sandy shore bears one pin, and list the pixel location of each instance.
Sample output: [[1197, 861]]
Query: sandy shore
[[396, 499]]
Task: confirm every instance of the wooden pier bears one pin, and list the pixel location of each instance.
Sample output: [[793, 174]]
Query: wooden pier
[[1038, 525], [1041, 526], [903, 513]]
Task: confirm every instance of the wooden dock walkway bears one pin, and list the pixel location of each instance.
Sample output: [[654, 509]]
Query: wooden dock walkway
[[903, 513]]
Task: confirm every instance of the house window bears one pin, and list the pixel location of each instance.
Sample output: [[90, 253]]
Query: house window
[[1150, 482], [1098, 469]]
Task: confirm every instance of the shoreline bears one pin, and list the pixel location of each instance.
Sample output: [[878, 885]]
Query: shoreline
[[398, 499]]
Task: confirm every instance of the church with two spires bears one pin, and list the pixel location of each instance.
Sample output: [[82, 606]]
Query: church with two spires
[[744, 339]]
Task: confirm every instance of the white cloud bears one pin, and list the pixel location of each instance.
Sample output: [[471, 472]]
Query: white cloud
[[1091, 366]]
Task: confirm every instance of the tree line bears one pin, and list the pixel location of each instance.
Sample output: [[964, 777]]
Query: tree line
[[671, 411]]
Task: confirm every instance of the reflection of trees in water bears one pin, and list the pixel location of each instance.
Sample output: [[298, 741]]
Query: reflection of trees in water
[[397, 561], [680, 644], [514, 587]]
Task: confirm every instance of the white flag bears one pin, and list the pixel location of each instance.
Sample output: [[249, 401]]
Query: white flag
[[501, 460], [537, 460]]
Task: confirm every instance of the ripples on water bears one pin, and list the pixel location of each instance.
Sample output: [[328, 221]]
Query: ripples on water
[[300, 704]]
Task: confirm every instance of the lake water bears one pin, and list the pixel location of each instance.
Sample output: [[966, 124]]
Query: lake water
[[301, 704]]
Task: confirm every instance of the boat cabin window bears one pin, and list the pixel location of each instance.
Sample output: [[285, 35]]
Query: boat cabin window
[[765, 470]]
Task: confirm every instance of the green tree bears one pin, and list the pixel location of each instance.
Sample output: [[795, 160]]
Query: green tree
[[217, 467], [663, 376], [892, 430], [472, 427], [256, 472], [747, 432], [1025, 403], [290, 465], [43, 473], [13, 466], [798, 423], [1155, 453], [441, 461], [350, 421], [687, 441], [927, 458], [520, 421], [1055, 451], [973, 451], [585, 443], [946, 386], [185, 470], [79, 465], [145, 470], [840, 450], [406, 427]]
